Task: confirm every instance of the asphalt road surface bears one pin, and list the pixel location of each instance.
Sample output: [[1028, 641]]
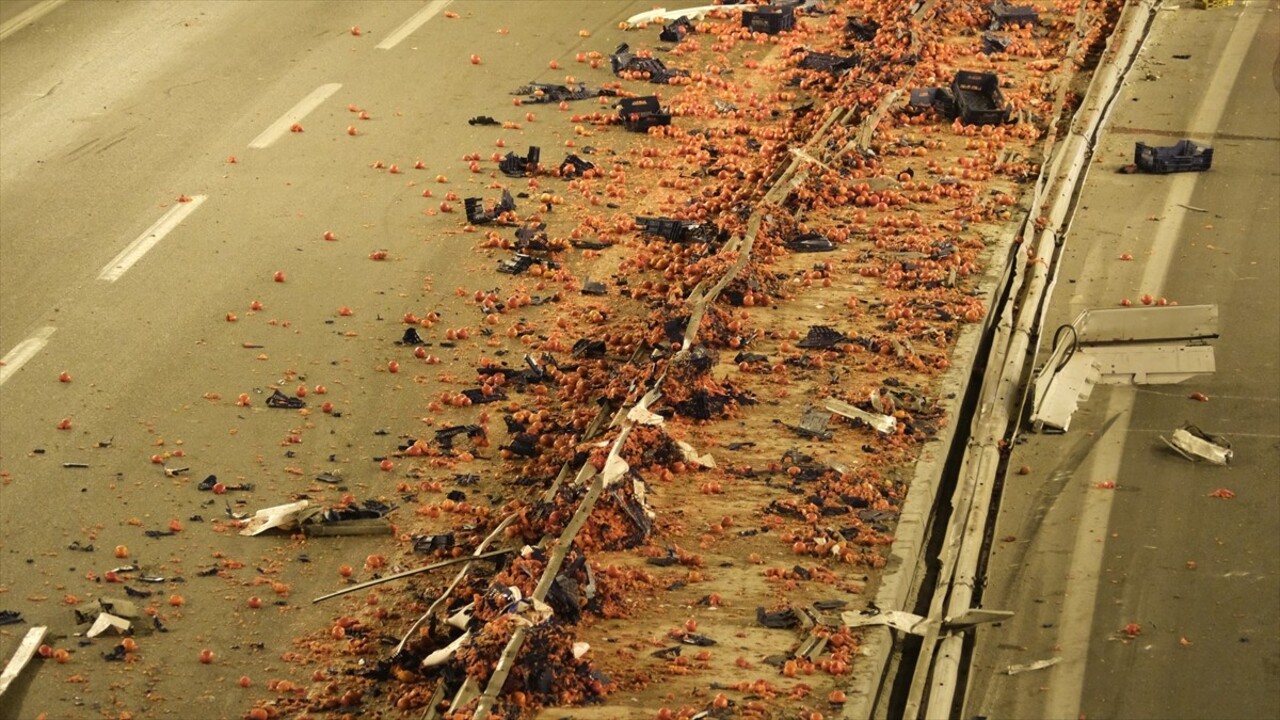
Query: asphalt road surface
[[110, 113], [1197, 575]]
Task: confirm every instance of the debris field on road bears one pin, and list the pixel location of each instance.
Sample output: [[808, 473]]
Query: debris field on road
[[666, 430]]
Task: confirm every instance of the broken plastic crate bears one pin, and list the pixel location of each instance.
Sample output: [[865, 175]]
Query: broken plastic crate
[[1004, 15], [978, 98], [1183, 156], [828, 63], [478, 215], [673, 230], [540, 93], [769, 19], [515, 166], [937, 99], [573, 166], [641, 113], [653, 69], [676, 31]]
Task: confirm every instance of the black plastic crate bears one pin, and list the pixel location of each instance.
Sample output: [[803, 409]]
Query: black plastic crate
[[769, 19], [978, 98], [641, 113], [1183, 156], [1003, 14]]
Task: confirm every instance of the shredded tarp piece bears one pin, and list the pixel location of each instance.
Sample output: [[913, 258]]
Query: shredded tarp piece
[[1028, 667], [692, 13], [444, 654], [886, 424], [106, 621], [1195, 444], [690, 454], [279, 516]]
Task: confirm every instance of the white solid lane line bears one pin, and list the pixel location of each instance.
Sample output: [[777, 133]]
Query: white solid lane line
[[295, 114], [28, 16], [24, 351], [419, 19], [148, 239]]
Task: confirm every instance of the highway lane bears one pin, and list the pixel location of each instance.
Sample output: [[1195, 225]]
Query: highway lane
[[147, 103], [1078, 563]]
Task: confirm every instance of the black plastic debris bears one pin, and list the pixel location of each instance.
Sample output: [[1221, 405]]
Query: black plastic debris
[[779, 619], [478, 215], [1183, 156], [589, 349], [483, 120], [428, 544], [573, 166], [651, 69], [746, 357], [822, 337], [477, 396], [828, 63], [676, 30], [664, 560], [594, 287], [445, 436], [937, 99], [411, 337], [1005, 15], [282, 401], [532, 236], [117, 654], [515, 166], [696, 639], [769, 19], [810, 242], [861, 29], [523, 445], [539, 93], [827, 605], [703, 405], [210, 484], [154, 534], [564, 597], [367, 510], [131, 592], [522, 262], [675, 230], [669, 653], [75, 545], [641, 113], [993, 43], [10, 617], [804, 432]]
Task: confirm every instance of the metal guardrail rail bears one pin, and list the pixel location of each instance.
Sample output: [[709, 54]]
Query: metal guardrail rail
[[932, 693]]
